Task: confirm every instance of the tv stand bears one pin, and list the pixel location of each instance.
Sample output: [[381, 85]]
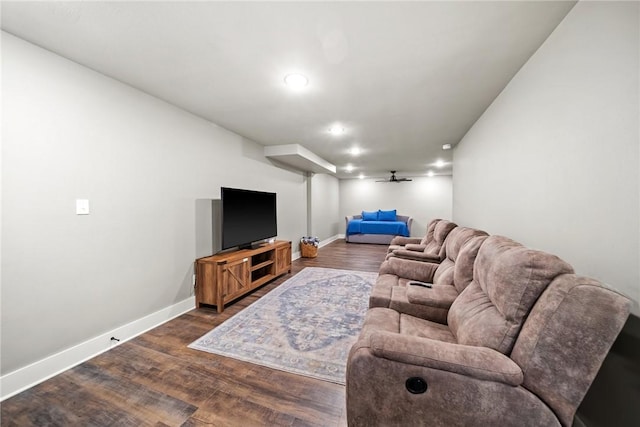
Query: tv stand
[[223, 278]]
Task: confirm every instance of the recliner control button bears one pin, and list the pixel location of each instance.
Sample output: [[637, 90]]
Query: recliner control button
[[416, 385]]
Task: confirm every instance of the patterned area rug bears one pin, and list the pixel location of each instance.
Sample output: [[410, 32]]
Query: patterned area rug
[[306, 326]]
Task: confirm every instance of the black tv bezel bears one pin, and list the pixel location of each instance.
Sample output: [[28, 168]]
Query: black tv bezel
[[257, 241]]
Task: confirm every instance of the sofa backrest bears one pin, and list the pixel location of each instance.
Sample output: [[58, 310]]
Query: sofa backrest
[[456, 251], [465, 262], [507, 280], [565, 339], [428, 237], [435, 246]]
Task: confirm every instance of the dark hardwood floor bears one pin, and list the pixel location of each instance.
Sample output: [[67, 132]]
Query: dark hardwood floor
[[155, 380]]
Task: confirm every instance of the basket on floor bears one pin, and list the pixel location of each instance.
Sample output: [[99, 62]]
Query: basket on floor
[[308, 250]]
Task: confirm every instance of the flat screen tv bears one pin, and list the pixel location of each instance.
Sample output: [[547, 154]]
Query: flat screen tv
[[247, 217]]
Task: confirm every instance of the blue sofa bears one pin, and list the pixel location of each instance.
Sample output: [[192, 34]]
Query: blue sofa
[[372, 230]]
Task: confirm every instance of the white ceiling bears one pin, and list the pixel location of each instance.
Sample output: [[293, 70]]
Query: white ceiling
[[402, 78]]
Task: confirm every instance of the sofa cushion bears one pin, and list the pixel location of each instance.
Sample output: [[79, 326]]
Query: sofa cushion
[[430, 230], [387, 215], [369, 216], [435, 247], [457, 251], [465, 261], [457, 238], [385, 319], [400, 303], [507, 280], [415, 327]]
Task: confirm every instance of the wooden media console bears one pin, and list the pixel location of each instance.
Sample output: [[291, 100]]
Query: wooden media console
[[223, 278]]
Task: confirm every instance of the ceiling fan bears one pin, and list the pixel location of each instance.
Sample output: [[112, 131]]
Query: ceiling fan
[[393, 178]]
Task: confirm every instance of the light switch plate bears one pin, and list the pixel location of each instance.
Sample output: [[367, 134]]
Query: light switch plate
[[82, 207]]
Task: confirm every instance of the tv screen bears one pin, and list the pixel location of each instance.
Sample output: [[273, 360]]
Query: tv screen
[[247, 217]]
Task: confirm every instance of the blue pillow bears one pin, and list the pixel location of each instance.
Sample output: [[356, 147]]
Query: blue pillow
[[387, 215], [369, 216]]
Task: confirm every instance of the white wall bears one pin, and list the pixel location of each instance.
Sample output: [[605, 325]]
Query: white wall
[[70, 133], [423, 198], [324, 212], [554, 162]]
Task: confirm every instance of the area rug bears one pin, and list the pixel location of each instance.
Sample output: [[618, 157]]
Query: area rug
[[306, 325]]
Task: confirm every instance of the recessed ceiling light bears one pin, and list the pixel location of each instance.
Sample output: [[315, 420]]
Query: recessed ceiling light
[[361, 176], [430, 173], [336, 130], [349, 168], [296, 81], [439, 163], [355, 151], [446, 146]]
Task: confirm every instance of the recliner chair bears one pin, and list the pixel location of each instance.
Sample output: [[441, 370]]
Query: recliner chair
[[431, 247], [523, 343], [399, 242], [447, 279]]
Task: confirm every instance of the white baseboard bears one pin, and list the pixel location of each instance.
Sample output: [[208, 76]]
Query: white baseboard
[[331, 239], [37, 372]]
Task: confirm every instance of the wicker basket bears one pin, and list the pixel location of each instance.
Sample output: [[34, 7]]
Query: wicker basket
[[308, 251]]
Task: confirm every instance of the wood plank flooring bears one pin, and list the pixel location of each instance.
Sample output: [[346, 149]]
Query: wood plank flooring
[[155, 380]]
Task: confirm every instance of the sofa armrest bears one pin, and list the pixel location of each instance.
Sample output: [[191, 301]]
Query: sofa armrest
[[409, 269], [403, 241], [478, 362], [440, 296], [350, 217], [418, 256], [415, 247], [406, 219]]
